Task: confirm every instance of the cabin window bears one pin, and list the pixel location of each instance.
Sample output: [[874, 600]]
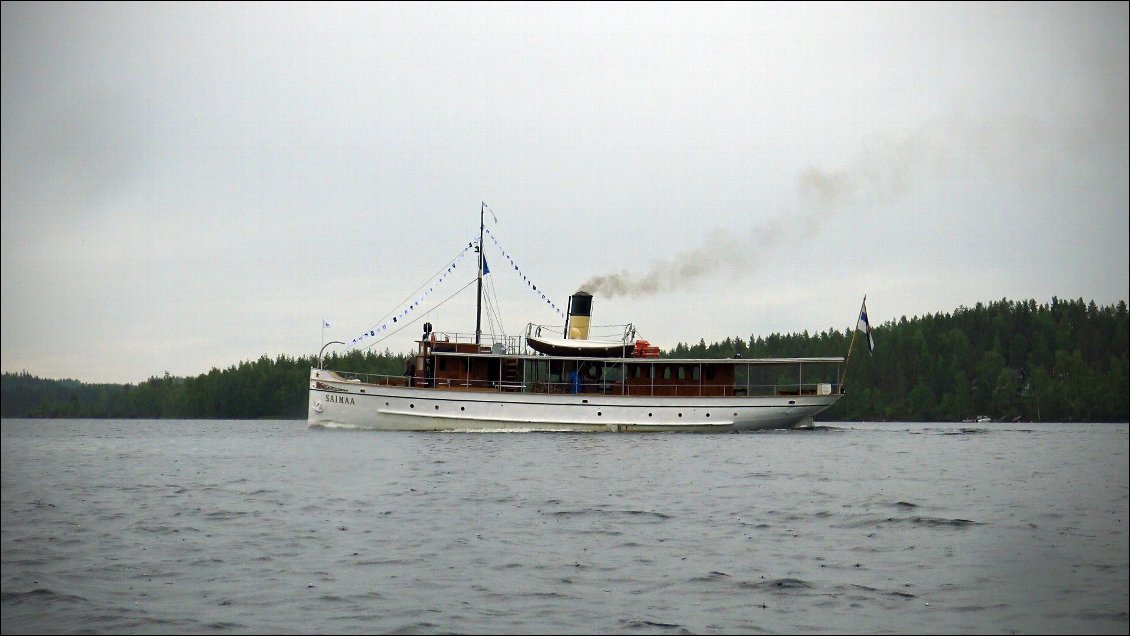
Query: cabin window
[[651, 371], [666, 373], [638, 373], [696, 373], [682, 373]]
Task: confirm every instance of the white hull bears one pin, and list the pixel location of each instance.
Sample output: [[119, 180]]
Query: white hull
[[353, 404]]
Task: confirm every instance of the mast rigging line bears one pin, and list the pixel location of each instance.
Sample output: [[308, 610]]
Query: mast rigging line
[[408, 306], [448, 265], [530, 286], [494, 310], [417, 318]]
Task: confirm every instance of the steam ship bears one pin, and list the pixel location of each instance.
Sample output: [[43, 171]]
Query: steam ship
[[561, 378]]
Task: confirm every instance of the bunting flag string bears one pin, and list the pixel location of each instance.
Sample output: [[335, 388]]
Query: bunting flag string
[[529, 283], [401, 315]]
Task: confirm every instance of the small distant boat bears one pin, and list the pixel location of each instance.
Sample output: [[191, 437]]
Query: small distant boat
[[557, 378], [980, 419]]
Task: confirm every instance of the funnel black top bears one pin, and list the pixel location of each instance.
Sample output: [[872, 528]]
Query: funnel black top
[[580, 304]]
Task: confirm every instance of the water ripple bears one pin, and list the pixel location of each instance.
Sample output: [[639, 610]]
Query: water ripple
[[275, 527]]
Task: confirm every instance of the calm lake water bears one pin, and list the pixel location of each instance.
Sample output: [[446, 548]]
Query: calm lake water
[[235, 527]]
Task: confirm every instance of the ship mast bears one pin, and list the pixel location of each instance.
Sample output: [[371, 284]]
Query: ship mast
[[479, 298]]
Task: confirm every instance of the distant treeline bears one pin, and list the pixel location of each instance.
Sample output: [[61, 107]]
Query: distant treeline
[[261, 389], [1063, 361], [1059, 362]]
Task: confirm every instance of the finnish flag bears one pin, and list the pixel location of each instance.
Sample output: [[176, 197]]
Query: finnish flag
[[865, 326]]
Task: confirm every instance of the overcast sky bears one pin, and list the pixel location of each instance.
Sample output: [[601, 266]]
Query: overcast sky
[[188, 186]]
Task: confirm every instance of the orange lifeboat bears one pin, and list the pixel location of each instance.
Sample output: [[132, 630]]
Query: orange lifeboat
[[644, 349]]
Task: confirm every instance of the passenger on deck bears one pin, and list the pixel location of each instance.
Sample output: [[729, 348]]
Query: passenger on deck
[[574, 382]]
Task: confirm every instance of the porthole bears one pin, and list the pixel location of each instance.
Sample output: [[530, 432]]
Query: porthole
[[462, 408], [411, 406], [437, 407], [680, 414], [598, 414]]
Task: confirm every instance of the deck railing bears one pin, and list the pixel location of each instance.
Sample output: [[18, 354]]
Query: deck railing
[[500, 344], [611, 388], [625, 333]]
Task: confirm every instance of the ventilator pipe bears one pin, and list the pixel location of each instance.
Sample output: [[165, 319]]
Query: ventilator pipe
[[324, 348]]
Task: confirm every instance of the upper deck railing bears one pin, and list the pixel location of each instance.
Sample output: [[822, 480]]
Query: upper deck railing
[[625, 333], [656, 378], [503, 344]]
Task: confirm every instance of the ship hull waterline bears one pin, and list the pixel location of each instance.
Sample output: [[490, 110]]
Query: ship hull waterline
[[366, 406]]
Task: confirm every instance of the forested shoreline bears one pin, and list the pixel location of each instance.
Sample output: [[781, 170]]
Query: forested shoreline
[[1011, 360]]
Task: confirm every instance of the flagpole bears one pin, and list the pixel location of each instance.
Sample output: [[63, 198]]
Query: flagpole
[[854, 330], [479, 302]]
